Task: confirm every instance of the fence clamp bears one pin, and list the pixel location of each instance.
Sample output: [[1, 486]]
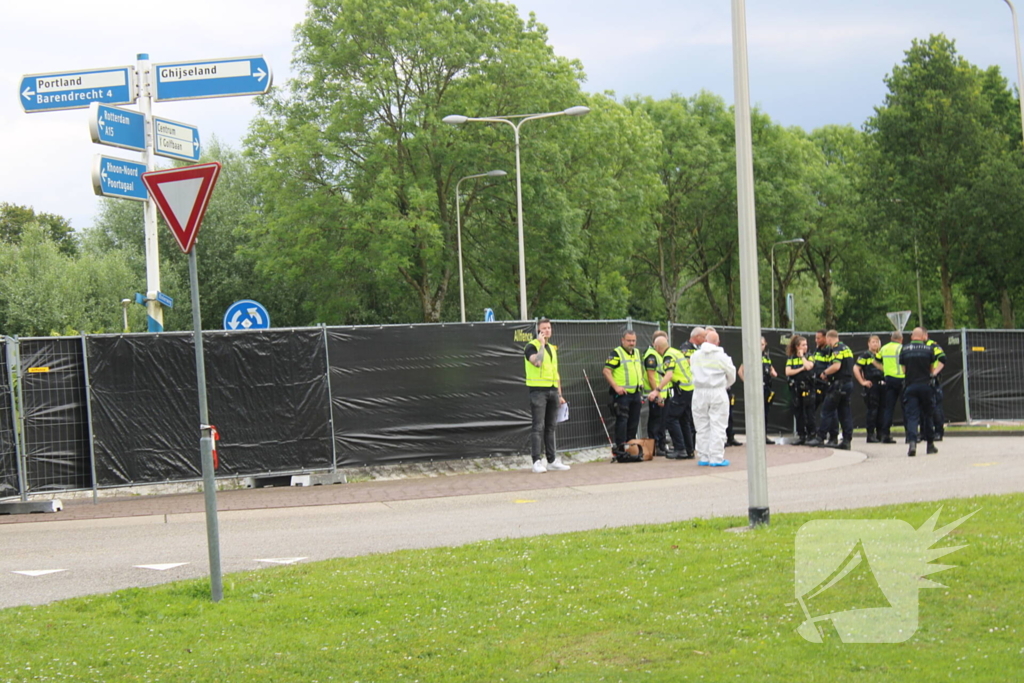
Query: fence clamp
[[216, 437]]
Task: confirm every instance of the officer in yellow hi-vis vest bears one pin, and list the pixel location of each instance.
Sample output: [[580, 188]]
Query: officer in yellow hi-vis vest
[[888, 361], [654, 359], [678, 379], [545, 386], [624, 371]]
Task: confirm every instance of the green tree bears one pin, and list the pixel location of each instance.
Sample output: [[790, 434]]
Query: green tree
[[14, 219]]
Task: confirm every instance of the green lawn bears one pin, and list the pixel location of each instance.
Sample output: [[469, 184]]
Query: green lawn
[[677, 602]]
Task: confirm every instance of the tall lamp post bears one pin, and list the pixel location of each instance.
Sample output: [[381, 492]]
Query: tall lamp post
[[798, 240], [458, 232], [125, 303], [1020, 68], [458, 120]]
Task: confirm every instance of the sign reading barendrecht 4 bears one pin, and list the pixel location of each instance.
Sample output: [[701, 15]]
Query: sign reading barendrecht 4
[[176, 140], [113, 177], [77, 89], [117, 127], [211, 78]]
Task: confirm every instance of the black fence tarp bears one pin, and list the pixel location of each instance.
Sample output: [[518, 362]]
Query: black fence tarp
[[428, 391], [267, 395], [56, 431], [8, 452], [996, 390]]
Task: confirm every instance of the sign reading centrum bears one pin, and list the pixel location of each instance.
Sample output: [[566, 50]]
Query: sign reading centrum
[[176, 140], [77, 89], [212, 78]]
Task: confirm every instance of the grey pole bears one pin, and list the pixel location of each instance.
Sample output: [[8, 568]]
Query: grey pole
[[1020, 67], [757, 476], [18, 404], [88, 419], [206, 439], [154, 309]]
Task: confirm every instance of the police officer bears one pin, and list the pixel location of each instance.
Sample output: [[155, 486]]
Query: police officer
[[678, 382], [836, 406], [625, 376], [801, 388], [768, 373], [938, 414], [888, 361], [653, 372], [822, 359], [870, 379], [921, 365]]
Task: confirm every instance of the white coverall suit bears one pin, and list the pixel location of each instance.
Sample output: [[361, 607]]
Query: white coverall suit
[[713, 372]]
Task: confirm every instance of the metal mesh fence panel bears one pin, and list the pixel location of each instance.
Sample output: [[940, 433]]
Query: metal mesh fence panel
[[996, 374], [56, 431], [8, 451]]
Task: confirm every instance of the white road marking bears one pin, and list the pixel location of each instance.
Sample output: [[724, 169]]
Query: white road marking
[[282, 560], [39, 572], [161, 567]]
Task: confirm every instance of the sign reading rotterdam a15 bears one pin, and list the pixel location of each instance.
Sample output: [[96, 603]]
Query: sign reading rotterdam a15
[[77, 89], [176, 140], [211, 78], [117, 127]]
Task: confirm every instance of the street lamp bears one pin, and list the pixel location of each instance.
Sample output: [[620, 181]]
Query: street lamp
[[458, 120], [798, 240], [458, 233], [1020, 68], [125, 303]]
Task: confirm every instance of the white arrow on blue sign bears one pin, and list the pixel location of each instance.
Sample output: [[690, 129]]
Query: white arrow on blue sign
[[117, 127], [212, 78], [176, 140], [77, 89], [112, 177], [246, 315]]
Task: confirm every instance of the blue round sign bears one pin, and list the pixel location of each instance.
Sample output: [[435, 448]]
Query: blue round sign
[[246, 315]]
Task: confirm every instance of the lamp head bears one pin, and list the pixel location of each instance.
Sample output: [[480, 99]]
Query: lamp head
[[455, 119], [495, 174], [577, 111]]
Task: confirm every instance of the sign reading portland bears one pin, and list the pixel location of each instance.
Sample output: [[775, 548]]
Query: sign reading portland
[[212, 78], [77, 89]]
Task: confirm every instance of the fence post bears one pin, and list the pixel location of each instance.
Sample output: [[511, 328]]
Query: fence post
[[967, 390], [330, 400], [14, 377], [88, 418]]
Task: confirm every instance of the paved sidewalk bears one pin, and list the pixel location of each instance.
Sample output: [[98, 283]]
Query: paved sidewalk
[[416, 488]]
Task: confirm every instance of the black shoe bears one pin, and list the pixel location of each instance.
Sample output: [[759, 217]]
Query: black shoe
[[844, 446], [872, 439], [801, 441], [938, 437], [912, 450], [733, 442], [816, 443], [674, 455], [888, 439], [690, 456], [932, 450], [832, 443], [661, 452]]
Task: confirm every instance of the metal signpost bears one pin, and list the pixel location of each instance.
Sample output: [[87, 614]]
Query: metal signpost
[[182, 195]]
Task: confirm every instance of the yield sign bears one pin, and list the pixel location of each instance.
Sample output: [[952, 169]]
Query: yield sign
[[182, 195]]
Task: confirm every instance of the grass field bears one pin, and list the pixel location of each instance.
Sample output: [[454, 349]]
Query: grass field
[[688, 601]]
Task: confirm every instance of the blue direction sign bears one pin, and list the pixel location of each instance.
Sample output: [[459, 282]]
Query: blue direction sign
[[165, 300], [212, 78], [176, 140], [113, 177], [117, 127], [77, 89], [246, 315]]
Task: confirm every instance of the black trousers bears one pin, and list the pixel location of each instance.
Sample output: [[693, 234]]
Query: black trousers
[[626, 410], [656, 423], [893, 389], [803, 411], [820, 391], [874, 397], [544, 412], [938, 414], [730, 429], [917, 409], [679, 419], [836, 410]]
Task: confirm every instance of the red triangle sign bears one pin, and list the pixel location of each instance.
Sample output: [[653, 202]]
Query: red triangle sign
[[182, 195]]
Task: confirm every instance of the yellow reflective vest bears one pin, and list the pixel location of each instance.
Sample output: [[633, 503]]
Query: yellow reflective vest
[[547, 374], [630, 372], [890, 357]]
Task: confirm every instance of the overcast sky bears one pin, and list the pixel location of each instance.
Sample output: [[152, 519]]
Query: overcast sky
[[812, 62]]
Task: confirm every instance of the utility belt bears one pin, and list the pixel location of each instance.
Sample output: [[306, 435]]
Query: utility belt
[[801, 388]]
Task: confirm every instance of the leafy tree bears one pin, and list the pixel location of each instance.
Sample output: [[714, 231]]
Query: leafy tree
[[14, 219]]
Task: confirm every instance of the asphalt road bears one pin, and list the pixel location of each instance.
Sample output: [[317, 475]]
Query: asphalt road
[[104, 555]]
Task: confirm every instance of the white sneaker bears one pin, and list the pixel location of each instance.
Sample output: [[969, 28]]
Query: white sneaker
[[539, 467], [557, 465]]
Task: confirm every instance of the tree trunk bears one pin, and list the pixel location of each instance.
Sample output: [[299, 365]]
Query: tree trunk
[[979, 311], [1006, 307], [947, 296]]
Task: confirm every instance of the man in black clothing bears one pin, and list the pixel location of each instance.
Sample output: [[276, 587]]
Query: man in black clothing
[[872, 385], [920, 363], [836, 406], [822, 359]]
